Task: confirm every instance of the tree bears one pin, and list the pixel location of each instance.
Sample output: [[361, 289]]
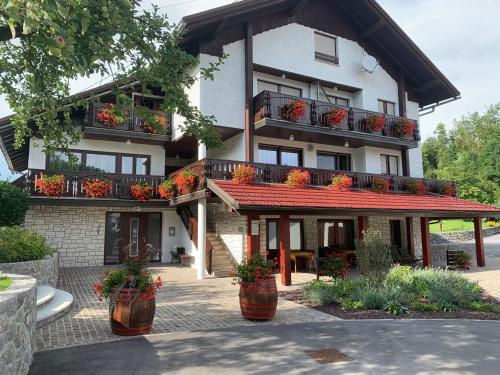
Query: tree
[[13, 204], [468, 153], [46, 43]]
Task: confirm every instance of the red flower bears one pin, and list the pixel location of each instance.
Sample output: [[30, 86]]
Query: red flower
[[341, 182], [376, 122], [380, 184], [244, 174], [167, 189], [96, 188], [141, 191], [335, 117], [294, 110], [185, 182], [297, 178], [51, 186]]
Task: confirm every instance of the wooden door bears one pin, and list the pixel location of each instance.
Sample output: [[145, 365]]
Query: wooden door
[[133, 231]]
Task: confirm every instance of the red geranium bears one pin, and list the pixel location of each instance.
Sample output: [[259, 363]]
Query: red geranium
[[51, 186], [155, 124], [96, 188], [244, 174], [297, 178], [341, 182], [405, 127], [167, 189], [335, 116], [376, 122], [380, 184], [294, 110], [108, 117], [141, 191], [416, 187], [185, 182]]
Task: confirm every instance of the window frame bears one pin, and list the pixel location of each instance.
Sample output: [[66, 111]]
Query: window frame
[[388, 164], [336, 155], [321, 226], [273, 220], [302, 239], [384, 105], [118, 161], [319, 56], [329, 97], [280, 86], [279, 149]]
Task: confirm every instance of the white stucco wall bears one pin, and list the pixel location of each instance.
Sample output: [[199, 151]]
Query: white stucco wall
[[416, 163], [37, 157], [232, 149]]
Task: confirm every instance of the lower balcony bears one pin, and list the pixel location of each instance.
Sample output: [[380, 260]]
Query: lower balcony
[[72, 188]]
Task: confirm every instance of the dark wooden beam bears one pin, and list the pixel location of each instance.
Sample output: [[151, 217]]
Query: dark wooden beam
[[409, 235], [362, 226], [253, 240], [285, 261], [426, 242], [373, 28], [214, 34], [426, 85], [478, 234], [300, 5], [402, 95], [405, 161], [249, 116]]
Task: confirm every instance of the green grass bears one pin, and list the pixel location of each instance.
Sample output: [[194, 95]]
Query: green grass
[[5, 282], [454, 225]]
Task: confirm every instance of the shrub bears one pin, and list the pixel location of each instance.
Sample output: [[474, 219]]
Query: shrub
[[425, 307], [334, 267], [5, 282], [13, 204], [484, 307], [297, 178], [373, 255], [463, 260], [380, 185], [395, 307], [319, 292], [372, 297], [399, 275], [244, 174], [341, 182], [349, 304], [20, 245]]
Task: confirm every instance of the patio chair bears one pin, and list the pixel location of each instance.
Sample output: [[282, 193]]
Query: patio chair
[[404, 257], [176, 254]]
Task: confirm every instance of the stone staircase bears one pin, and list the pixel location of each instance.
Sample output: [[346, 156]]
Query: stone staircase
[[222, 263], [51, 304]]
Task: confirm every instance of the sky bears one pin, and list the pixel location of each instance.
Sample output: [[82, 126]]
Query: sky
[[461, 37]]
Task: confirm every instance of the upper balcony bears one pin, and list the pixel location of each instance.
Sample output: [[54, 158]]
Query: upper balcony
[[327, 123], [144, 126]]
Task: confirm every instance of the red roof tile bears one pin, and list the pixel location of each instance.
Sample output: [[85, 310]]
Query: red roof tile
[[282, 196]]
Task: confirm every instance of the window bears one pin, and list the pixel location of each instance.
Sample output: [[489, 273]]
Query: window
[[338, 100], [396, 233], [100, 163], [296, 237], [134, 237], [276, 87], [60, 161], [272, 234], [280, 156], [325, 48], [141, 165], [388, 108], [127, 165], [336, 234], [389, 164], [332, 161]]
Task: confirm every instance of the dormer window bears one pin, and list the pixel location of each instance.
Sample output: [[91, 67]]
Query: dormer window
[[325, 47]]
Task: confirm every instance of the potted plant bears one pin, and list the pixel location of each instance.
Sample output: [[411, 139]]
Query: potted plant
[[141, 191], [380, 184], [294, 110], [155, 124], [416, 187], [131, 291], [297, 178], [185, 182], [107, 116], [463, 260], [446, 189], [335, 117], [50, 185], [258, 292], [335, 267], [376, 123], [405, 127], [341, 182], [244, 174], [96, 188], [166, 189]]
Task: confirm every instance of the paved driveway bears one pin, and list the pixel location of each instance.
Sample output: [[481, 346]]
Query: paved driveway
[[183, 304], [376, 347]]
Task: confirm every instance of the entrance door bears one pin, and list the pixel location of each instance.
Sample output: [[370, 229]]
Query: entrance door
[[133, 231]]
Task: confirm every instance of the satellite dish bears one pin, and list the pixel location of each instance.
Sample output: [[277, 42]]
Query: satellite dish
[[369, 63]]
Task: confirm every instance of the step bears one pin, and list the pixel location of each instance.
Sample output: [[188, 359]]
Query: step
[[221, 273], [44, 293], [58, 305]]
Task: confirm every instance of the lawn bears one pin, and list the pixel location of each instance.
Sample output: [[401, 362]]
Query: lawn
[[454, 225], [5, 282]]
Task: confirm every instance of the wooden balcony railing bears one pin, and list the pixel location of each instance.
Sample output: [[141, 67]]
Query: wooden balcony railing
[[268, 173], [128, 121], [269, 105], [73, 183]]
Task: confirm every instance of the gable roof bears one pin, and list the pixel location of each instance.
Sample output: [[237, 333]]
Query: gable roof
[[368, 22]]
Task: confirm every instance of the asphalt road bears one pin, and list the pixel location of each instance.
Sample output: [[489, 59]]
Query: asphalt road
[[376, 347]]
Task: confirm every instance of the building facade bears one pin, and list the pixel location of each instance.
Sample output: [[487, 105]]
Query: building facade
[[360, 83]]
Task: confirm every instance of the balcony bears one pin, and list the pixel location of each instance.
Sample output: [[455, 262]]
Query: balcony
[[316, 124], [73, 191], [267, 173], [127, 125]]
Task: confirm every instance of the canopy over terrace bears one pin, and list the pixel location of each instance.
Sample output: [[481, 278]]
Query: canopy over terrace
[[262, 199]]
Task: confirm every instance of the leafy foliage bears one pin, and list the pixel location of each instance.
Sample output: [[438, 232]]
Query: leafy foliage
[[5, 282], [468, 153], [21, 245], [253, 269], [373, 255], [13, 204], [47, 43]]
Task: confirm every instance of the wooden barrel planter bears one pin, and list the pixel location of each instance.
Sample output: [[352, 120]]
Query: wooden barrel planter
[[258, 300], [132, 315]]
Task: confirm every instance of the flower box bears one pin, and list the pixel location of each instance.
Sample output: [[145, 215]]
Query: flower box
[[341, 182], [416, 187], [108, 117], [141, 191], [297, 178], [96, 188], [405, 128], [167, 189], [155, 124], [335, 117], [294, 110], [50, 185], [185, 182], [244, 174], [376, 123], [380, 184]]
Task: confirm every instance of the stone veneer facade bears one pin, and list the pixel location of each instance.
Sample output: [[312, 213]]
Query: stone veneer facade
[[45, 270], [76, 232], [17, 325]]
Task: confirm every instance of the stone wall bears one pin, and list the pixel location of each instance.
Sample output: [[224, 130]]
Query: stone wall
[[17, 325], [45, 271], [76, 232], [438, 238], [439, 252]]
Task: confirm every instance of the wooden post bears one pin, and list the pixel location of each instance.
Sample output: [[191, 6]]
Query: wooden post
[[405, 161], [285, 262], [362, 226], [409, 235], [478, 234], [249, 119], [426, 242], [253, 240]]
